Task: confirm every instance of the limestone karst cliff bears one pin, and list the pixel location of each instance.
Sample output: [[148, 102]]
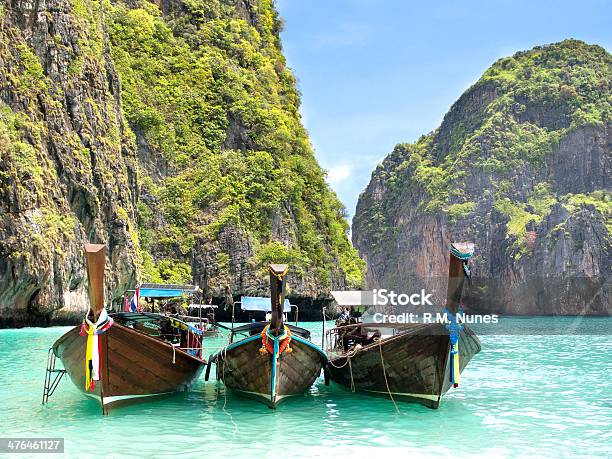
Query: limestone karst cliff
[[68, 162], [167, 130], [521, 165]]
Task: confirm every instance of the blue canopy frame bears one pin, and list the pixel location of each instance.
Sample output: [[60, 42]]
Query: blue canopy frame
[[256, 303], [166, 290], [159, 293]]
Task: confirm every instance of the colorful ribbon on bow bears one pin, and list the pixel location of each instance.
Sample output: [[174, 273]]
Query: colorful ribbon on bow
[[269, 342], [454, 328], [92, 352]]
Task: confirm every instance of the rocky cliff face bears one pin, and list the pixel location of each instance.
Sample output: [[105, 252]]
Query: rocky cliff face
[[167, 130], [521, 165], [230, 182], [68, 172]]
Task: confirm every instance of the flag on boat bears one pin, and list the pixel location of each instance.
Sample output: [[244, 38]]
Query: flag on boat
[[135, 301]]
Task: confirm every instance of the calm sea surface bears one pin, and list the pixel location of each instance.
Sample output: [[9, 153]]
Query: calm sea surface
[[535, 395]]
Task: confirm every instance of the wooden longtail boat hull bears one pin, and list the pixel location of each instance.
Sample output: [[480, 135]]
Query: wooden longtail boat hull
[[132, 365], [416, 365], [247, 372]]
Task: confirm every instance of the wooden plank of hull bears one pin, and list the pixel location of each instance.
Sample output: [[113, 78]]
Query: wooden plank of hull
[[415, 362], [133, 365], [243, 369]]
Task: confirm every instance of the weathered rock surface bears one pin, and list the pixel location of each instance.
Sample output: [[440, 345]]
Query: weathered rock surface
[[519, 169], [80, 164], [237, 185], [67, 171]]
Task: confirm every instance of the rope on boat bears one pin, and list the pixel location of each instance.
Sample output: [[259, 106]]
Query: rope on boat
[[339, 367], [351, 370], [348, 355], [382, 362], [279, 276], [224, 352]]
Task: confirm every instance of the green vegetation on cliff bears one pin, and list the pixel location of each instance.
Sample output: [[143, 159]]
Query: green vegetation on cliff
[[67, 167], [208, 91], [502, 130], [169, 131]]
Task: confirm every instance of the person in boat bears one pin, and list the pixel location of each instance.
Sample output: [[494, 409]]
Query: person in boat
[[345, 316], [166, 331], [171, 309]]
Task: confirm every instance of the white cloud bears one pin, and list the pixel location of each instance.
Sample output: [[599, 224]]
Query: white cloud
[[339, 173]]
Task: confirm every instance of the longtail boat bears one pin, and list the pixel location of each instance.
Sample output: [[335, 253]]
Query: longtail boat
[[409, 362], [269, 361], [127, 356]]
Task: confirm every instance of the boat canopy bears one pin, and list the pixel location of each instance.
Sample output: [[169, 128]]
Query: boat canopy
[[361, 300], [151, 316], [167, 290], [256, 303]]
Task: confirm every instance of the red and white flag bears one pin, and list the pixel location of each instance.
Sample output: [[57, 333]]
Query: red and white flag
[[135, 301]]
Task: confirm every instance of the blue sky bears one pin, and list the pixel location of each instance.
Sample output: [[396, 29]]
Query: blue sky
[[375, 73]]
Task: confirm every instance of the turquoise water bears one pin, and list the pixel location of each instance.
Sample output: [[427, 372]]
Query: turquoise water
[[541, 396]]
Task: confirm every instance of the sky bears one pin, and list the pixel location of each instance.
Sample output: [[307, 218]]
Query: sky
[[375, 73]]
